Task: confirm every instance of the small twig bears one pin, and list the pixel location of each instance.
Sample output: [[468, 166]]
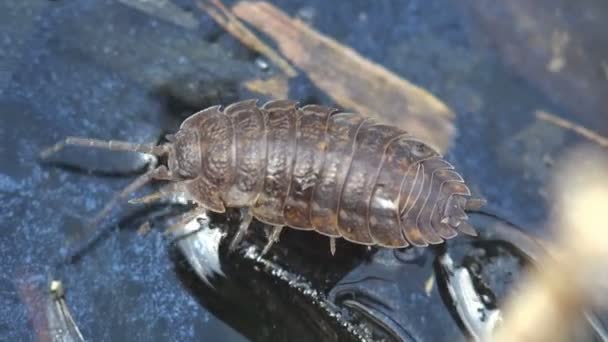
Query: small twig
[[235, 27], [164, 10], [585, 132]]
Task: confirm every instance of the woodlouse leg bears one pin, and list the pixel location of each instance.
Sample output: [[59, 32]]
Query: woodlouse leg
[[139, 182], [185, 218], [274, 237], [246, 217], [135, 185], [467, 228], [332, 245], [169, 192]]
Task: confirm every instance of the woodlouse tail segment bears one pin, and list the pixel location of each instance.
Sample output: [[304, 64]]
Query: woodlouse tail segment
[[474, 204], [110, 145], [455, 214], [467, 228]]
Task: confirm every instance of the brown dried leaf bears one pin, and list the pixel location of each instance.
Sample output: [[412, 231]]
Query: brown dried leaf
[[350, 79], [226, 19]]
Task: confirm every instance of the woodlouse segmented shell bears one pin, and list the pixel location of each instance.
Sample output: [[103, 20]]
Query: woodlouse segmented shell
[[314, 168]]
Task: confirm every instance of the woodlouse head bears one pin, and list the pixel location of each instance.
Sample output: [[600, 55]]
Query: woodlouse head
[[184, 154]]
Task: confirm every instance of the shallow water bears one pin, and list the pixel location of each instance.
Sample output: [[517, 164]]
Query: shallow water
[[102, 69]]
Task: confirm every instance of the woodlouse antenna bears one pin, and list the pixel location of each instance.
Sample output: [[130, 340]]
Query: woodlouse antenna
[[153, 173], [110, 145]]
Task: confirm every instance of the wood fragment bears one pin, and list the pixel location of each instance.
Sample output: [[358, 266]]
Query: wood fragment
[[235, 27], [350, 79], [276, 86], [144, 228], [563, 123]]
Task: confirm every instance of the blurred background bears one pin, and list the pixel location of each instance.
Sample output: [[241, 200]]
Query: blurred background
[[503, 89]]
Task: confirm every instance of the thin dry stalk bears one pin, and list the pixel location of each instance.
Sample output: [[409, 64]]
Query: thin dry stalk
[[585, 132]]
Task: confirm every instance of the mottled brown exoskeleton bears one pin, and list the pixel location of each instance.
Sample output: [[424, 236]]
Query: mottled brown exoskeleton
[[310, 168]]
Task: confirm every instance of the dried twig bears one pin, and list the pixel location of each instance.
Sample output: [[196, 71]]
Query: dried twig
[[165, 10], [232, 24], [585, 132]]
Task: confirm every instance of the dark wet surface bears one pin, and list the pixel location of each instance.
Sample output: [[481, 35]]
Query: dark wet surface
[[101, 69]]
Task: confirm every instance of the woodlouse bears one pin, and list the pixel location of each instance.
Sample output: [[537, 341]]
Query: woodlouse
[[310, 168]]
